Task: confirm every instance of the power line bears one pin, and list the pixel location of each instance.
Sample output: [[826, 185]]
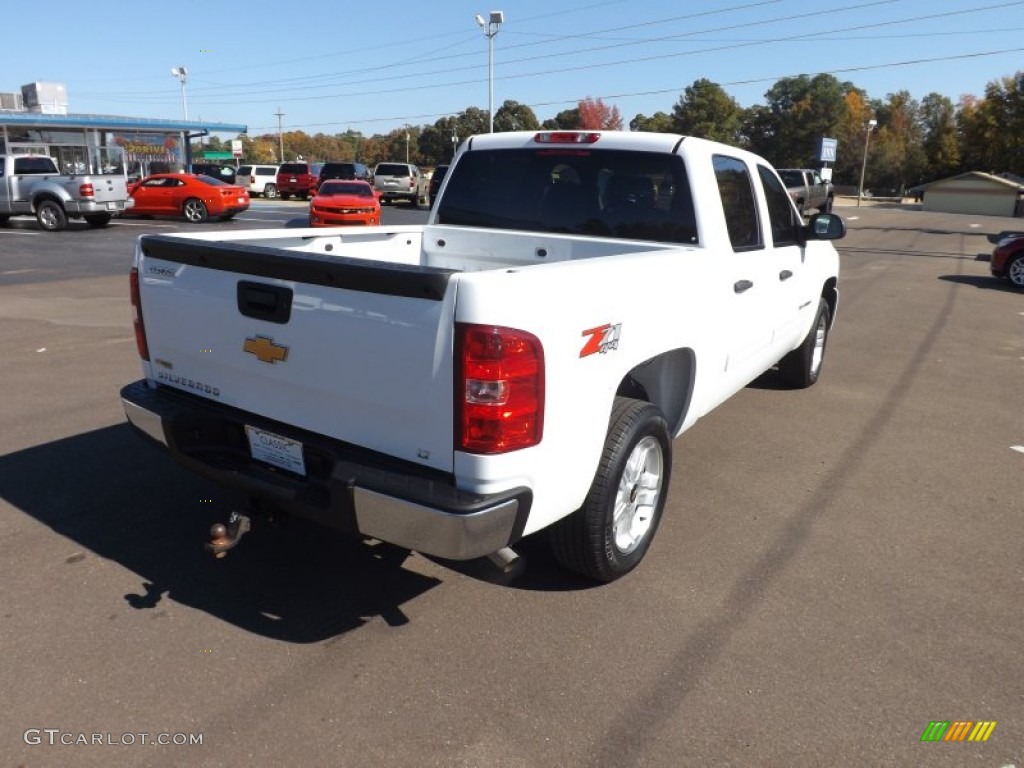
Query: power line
[[676, 89]]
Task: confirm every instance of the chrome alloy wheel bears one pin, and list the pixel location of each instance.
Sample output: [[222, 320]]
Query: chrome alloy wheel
[[640, 487], [1015, 274]]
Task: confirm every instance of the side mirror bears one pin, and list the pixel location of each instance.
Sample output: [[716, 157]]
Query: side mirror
[[823, 226]]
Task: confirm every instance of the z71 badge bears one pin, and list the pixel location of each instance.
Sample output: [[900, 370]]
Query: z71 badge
[[602, 339]]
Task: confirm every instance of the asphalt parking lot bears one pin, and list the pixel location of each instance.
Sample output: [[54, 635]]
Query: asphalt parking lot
[[837, 568]]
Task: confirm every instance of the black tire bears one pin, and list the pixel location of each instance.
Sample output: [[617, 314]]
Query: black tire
[[827, 207], [194, 211], [270, 191], [1015, 272], [637, 458], [97, 220], [51, 216], [227, 217], [285, 196], [4, 221], [802, 367], [304, 196]]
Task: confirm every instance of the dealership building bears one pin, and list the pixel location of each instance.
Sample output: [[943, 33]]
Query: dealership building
[[36, 121]]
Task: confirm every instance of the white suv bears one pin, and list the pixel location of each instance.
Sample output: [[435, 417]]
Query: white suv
[[258, 179]]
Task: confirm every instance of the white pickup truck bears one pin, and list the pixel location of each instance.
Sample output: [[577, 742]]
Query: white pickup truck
[[521, 362]]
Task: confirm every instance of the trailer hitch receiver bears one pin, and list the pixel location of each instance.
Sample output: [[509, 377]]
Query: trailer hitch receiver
[[224, 537]]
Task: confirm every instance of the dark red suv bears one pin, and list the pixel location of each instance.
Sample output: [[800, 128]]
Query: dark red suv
[[298, 179], [1008, 259]]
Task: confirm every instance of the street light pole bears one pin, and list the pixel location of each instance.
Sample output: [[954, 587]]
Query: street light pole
[[867, 134], [182, 74], [490, 28]]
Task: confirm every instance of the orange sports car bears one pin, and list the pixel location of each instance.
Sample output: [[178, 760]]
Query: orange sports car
[[344, 202], [197, 198]]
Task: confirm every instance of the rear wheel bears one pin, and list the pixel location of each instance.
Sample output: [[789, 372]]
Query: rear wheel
[[51, 216], [609, 535], [194, 211], [285, 196], [1015, 272], [97, 220], [270, 191], [801, 367]]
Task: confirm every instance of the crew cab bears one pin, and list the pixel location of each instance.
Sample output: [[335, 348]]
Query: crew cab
[[808, 189], [521, 362], [32, 185]]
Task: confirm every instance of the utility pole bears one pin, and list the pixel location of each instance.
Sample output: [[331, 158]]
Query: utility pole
[[280, 136]]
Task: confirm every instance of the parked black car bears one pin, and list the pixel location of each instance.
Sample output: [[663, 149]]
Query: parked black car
[[225, 173], [435, 181], [345, 172]]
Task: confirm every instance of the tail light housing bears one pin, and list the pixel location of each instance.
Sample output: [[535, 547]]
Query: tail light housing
[[86, 190], [140, 329], [499, 385]]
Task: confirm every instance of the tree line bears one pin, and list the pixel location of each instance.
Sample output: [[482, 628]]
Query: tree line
[[913, 141]]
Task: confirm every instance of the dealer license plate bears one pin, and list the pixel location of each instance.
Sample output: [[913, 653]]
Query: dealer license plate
[[274, 449]]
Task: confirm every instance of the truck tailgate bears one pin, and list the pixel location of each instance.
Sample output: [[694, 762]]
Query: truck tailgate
[[106, 189], [355, 350]]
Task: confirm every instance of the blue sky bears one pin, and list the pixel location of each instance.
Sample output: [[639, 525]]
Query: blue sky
[[329, 66]]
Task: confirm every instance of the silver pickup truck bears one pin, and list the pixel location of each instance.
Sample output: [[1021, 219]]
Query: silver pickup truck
[[808, 190], [32, 185]]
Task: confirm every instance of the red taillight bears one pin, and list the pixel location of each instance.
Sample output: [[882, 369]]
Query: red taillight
[[499, 403], [86, 190], [140, 329], [252, 179], [566, 137]]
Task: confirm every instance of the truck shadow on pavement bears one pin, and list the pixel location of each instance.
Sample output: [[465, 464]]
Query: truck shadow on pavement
[[124, 501]]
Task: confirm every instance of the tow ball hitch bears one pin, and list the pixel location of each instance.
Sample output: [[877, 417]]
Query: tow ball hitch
[[224, 537]]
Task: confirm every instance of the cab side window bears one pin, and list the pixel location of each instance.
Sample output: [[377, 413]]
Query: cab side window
[[782, 218], [738, 203]]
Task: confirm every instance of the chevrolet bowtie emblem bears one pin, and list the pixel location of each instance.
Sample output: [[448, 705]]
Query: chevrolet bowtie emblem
[[265, 349]]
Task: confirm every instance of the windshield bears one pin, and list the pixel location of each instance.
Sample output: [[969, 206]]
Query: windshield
[[605, 193], [342, 188]]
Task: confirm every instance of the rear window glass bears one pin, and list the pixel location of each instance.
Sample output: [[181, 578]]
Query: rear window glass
[[294, 168], [393, 169], [604, 193], [244, 170], [265, 170]]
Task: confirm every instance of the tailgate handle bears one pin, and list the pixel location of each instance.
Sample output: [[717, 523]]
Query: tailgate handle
[[272, 303]]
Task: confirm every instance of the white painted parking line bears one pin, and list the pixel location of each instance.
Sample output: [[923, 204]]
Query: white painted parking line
[[17, 271], [1017, 448], [18, 232], [144, 224]]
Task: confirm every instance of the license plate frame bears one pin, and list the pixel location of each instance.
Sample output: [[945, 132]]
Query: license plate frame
[[276, 450]]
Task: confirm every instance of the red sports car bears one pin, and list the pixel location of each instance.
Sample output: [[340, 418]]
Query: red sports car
[[197, 198], [344, 202]]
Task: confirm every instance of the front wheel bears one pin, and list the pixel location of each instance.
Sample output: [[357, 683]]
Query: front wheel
[[609, 535], [827, 207], [194, 211], [270, 192], [801, 367], [51, 216], [1015, 272]]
